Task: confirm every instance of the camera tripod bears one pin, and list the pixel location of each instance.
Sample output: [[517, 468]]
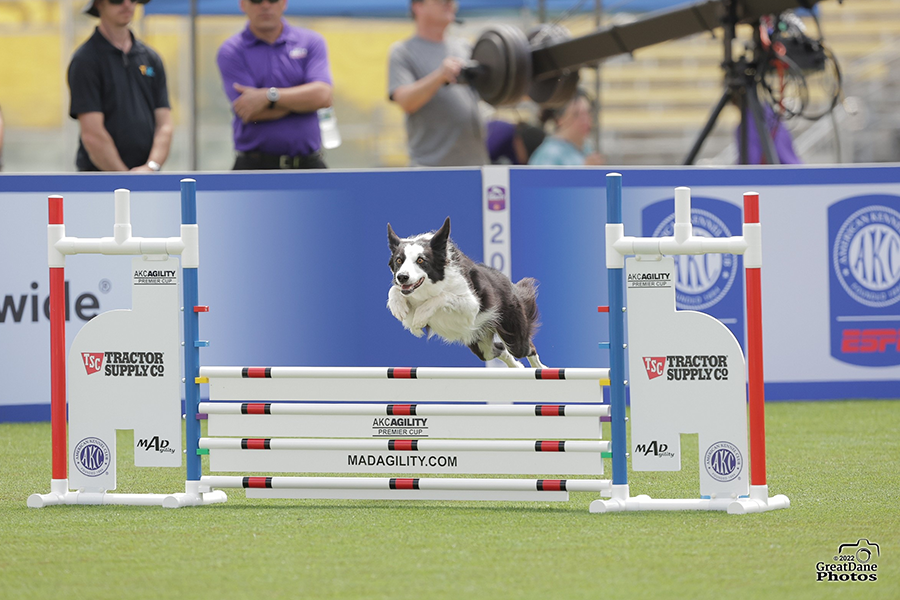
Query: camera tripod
[[741, 90]]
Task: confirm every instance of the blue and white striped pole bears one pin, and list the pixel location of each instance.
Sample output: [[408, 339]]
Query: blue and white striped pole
[[189, 264], [616, 337]]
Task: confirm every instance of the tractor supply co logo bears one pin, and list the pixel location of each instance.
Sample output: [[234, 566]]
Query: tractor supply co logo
[[864, 280], [400, 427], [655, 366], [155, 277], [156, 444], [702, 280], [496, 197], [124, 364], [723, 461], [691, 367], [655, 448], [853, 562], [91, 456], [649, 280]]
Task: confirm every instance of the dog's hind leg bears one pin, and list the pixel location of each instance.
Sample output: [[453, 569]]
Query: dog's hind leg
[[534, 360], [510, 360]]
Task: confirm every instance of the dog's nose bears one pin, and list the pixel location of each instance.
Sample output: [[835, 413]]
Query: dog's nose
[[402, 277]]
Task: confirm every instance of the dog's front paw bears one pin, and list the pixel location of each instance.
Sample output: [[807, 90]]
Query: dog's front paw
[[398, 307], [417, 331]]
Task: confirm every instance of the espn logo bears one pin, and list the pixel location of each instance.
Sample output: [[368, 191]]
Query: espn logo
[[870, 340]]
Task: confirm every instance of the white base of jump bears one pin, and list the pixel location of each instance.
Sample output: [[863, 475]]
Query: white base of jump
[[759, 501], [61, 495]]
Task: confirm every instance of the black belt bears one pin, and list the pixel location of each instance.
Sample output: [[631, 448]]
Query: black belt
[[283, 161]]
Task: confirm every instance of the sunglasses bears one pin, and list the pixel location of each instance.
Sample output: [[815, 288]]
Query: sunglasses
[[261, 1], [118, 2]]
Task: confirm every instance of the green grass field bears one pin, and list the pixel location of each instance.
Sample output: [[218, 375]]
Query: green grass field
[[839, 462]]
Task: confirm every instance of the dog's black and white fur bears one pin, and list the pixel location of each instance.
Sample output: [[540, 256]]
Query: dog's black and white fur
[[438, 290]]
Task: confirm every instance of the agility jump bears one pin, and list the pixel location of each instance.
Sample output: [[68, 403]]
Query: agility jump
[[408, 421]]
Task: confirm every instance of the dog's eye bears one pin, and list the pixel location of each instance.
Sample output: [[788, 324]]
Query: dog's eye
[[399, 261], [420, 261]]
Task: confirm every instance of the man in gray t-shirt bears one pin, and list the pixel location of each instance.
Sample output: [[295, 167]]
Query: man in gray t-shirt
[[443, 123]]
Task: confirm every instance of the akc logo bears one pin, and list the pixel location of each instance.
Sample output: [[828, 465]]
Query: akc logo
[[91, 456], [866, 256], [701, 281], [723, 461], [496, 197]]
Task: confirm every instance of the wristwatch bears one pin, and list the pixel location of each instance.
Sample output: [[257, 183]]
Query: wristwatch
[[153, 165], [272, 96]]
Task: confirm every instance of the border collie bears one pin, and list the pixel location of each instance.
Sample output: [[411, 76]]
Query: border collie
[[440, 291]]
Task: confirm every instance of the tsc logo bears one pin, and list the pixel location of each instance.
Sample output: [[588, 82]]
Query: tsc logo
[[723, 461], [496, 197], [866, 256], [93, 362], [156, 444], [655, 448], [870, 340], [91, 456], [655, 366]]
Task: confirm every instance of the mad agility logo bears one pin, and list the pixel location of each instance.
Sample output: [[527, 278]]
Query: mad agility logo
[[124, 364], [147, 71], [864, 252]]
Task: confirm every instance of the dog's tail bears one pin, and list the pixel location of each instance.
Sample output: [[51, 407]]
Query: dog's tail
[[526, 290]]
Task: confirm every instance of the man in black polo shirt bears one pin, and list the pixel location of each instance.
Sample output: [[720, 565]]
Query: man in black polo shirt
[[119, 95]]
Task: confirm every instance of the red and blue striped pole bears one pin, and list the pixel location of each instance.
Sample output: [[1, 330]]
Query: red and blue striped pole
[[189, 265], [616, 339]]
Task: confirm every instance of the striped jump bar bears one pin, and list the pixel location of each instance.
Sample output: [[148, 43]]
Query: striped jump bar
[[417, 445], [403, 483], [422, 410], [402, 373]]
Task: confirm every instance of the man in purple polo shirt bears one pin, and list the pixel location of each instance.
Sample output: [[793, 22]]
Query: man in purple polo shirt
[[277, 77]]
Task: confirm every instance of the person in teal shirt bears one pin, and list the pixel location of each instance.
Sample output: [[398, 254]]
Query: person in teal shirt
[[567, 144]]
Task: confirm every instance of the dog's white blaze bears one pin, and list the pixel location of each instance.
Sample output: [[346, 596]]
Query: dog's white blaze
[[409, 266]]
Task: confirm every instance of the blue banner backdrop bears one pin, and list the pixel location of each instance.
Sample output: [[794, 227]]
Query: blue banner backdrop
[[294, 265]]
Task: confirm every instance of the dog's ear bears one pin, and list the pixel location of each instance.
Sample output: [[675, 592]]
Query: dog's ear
[[393, 239], [439, 240]]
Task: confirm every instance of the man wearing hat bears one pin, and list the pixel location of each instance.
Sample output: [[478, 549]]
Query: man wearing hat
[[119, 95]]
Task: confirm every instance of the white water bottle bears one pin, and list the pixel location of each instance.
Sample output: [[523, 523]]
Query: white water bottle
[[331, 137]]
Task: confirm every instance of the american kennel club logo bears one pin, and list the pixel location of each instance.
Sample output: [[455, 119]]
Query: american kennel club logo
[[865, 280], [91, 456], [723, 461], [703, 280]]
